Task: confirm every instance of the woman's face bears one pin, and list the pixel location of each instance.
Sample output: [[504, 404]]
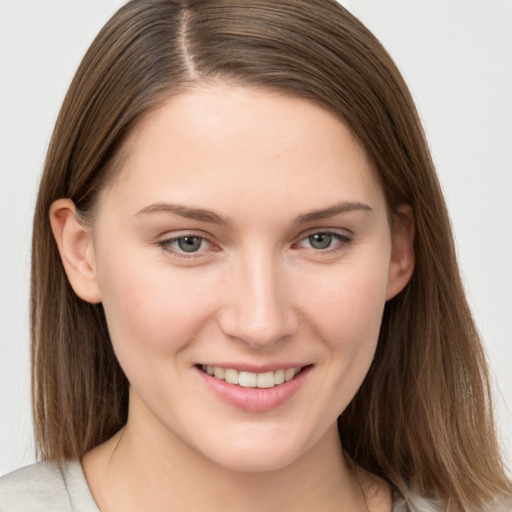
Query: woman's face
[[246, 235]]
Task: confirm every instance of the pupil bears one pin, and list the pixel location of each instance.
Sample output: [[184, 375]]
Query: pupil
[[320, 240], [189, 243]]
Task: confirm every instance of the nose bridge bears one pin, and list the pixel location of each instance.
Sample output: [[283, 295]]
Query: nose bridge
[[259, 310]]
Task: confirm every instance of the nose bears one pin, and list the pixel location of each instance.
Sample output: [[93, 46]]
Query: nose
[[258, 306]]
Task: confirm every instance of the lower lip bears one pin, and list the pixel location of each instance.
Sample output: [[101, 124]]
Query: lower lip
[[255, 399]]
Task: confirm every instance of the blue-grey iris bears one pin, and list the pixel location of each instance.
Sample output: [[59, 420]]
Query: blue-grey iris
[[190, 243], [320, 240]]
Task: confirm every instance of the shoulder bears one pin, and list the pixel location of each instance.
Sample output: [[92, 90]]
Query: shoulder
[[34, 488], [44, 487], [416, 503]]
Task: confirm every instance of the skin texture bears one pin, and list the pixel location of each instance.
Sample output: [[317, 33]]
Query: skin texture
[[256, 292]]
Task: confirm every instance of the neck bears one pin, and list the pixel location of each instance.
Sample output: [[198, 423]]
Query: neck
[[133, 471]]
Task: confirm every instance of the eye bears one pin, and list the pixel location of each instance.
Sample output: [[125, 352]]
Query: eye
[[185, 244], [324, 240]]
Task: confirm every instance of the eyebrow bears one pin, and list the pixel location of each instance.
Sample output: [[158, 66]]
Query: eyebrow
[[186, 212], [331, 211], [213, 218]]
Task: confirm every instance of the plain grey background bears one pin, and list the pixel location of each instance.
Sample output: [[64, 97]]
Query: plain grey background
[[456, 56]]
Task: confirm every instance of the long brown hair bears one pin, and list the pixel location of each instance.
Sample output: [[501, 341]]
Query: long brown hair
[[423, 416]]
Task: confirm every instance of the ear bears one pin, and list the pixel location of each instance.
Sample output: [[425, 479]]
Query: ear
[[76, 248], [402, 260]]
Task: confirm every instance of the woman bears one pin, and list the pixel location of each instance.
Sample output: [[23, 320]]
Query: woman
[[247, 284]]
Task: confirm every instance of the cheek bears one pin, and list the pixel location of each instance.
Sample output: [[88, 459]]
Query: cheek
[[351, 333], [148, 308], [348, 315], [348, 306]]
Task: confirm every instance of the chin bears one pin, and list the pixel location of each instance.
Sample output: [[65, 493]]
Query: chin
[[251, 456], [255, 462]]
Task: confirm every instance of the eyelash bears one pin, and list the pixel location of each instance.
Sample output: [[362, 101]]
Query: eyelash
[[167, 245], [342, 240]]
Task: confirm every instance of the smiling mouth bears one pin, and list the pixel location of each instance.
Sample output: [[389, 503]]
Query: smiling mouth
[[245, 379]]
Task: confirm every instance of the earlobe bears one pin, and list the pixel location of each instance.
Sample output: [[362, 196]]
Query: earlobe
[[75, 243], [402, 261]]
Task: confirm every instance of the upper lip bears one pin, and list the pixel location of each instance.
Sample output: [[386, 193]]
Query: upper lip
[[247, 367]]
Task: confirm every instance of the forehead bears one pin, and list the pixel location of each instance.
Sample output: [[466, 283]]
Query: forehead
[[219, 143]]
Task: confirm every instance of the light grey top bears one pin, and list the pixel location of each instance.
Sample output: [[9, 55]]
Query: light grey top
[[44, 487]]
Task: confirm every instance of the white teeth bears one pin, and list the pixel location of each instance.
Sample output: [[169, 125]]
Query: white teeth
[[231, 376], [265, 380], [251, 379], [247, 379], [289, 374], [219, 372], [279, 377]]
